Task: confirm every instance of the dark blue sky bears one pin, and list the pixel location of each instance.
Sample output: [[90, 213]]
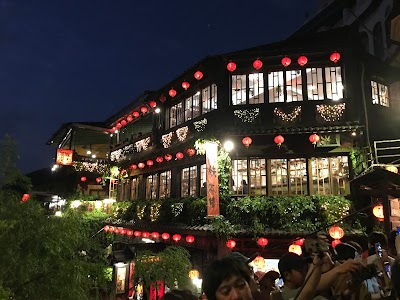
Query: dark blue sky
[[79, 60]]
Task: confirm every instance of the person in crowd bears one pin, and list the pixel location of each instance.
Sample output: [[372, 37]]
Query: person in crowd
[[244, 187], [227, 278], [266, 282], [357, 246], [179, 295]]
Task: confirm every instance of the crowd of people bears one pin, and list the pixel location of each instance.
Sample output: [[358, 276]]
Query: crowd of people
[[320, 272]]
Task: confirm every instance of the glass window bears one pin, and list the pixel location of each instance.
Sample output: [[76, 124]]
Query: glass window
[[258, 177], [379, 94], [176, 115], [151, 186], [275, 87], [239, 177], [330, 175], [203, 180], [135, 188], [256, 88], [209, 98], [279, 177], [214, 96], [124, 190], [315, 84], [188, 108], [334, 85], [238, 89], [196, 105], [285, 86], [165, 185], [298, 176], [294, 87], [189, 182]]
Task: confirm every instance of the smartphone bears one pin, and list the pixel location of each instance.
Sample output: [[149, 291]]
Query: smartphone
[[378, 249], [387, 269], [398, 230]]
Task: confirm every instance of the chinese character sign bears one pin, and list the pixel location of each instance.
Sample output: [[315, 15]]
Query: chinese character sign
[[64, 157], [212, 179]]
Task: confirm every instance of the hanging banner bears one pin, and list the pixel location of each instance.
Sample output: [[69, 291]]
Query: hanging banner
[[64, 157], [212, 179]]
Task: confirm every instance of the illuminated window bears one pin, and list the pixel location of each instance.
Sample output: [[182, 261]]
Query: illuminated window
[[298, 176], [165, 185], [176, 115], [285, 86], [124, 190], [379, 94], [209, 98], [334, 85], [278, 177], [239, 89], [330, 175], [315, 84], [192, 107], [203, 180], [151, 186], [256, 88], [239, 181], [189, 182], [324, 85], [288, 176], [135, 188], [258, 177]]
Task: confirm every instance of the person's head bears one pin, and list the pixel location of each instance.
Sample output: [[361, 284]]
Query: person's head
[[377, 237], [357, 246], [266, 282], [179, 295], [293, 269], [227, 278]]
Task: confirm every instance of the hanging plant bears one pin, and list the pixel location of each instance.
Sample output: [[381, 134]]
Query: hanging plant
[[222, 228]]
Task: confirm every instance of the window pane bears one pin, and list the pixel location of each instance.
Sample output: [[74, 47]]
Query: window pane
[[179, 113], [293, 86], [258, 177], [298, 176], [256, 88], [374, 91], [315, 88], [275, 87], [239, 177], [238, 89], [135, 189], [188, 108], [196, 105], [334, 85], [279, 177], [206, 100], [165, 185], [189, 182], [214, 96], [383, 95], [151, 186]]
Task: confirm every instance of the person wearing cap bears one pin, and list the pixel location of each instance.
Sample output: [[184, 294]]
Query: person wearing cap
[[266, 282]]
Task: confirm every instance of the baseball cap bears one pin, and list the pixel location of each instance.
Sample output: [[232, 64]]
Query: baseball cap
[[291, 261]]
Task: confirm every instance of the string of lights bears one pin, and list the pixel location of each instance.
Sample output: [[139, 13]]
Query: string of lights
[[142, 144], [181, 133], [166, 139], [200, 125], [89, 167], [247, 115], [287, 117], [331, 113]]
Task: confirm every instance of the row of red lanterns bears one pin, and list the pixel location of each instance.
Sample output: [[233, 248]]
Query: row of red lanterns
[[198, 75], [98, 179], [262, 242], [133, 115], [145, 234], [160, 159], [247, 141]]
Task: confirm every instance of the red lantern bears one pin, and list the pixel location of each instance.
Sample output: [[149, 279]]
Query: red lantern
[[165, 236], [123, 122], [153, 104], [378, 212], [98, 179], [179, 155], [145, 234], [302, 60], [295, 249], [133, 167], [257, 64], [162, 98], [185, 85], [114, 129], [83, 178], [314, 138], [111, 229], [106, 228], [137, 233], [231, 244], [247, 141], [123, 231], [129, 232], [279, 140], [135, 114], [129, 118], [198, 75], [231, 66], [172, 93], [141, 165], [25, 198], [335, 243], [168, 157], [286, 61], [190, 239], [155, 235], [336, 232], [149, 162], [191, 151], [299, 241], [335, 56], [116, 230], [143, 109], [262, 242], [176, 237], [118, 125], [159, 159]]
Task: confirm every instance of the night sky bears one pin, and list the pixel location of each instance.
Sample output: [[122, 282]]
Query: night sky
[[82, 61]]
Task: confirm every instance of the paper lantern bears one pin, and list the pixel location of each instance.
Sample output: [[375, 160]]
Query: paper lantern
[[179, 155], [286, 61], [129, 118], [262, 242], [378, 212], [185, 85], [111, 229], [155, 235], [150, 163], [143, 109], [247, 141], [231, 244], [106, 228], [129, 232], [123, 231], [194, 274], [198, 75], [392, 169], [279, 140], [145, 234], [302, 60], [231, 66], [135, 114], [295, 249], [168, 157], [191, 151], [123, 122], [137, 233], [190, 239], [25, 198], [299, 241], [118, 125], [314, 138], [159, 159], [335, 243], [133, 167], [83, 178], [98, 179], [335, 56], [141, 165], [116, 230], [336, 232], [165, 236], [153, 104], [162, 98], [176, 237], [172, 93], [257, 64]]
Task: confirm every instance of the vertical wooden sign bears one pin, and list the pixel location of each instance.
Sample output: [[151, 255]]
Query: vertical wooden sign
[[212, 179]]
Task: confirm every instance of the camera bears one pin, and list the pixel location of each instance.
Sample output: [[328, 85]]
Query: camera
[[315, 245]]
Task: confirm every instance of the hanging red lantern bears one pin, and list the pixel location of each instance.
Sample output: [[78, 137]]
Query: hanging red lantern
[[168, 157], [335, 56], [135, 114], [122, 231], [247, 141], [176, 237], [295, 249], [114, 129], [149, 162], [185, 85], [179, 155], [116, 230], [153, 104], [159, 159], [133, 167], [335, 243], [129, 118], [336, 232], [378, 212], [314, 138], [286, 61], [145, 234], [302, 60], [299, 241], [137, 233], [190, 239], [129, 232], [231, 66], [262, 242], [165, 236], [155, 235], [98, 179], [118, 125], [141, 165], [257, 64], [162, 98], [111, 229], [172, 93], [25, 197], [83, 178], [231, 244], [279, 140], [191, 151], [106, 228], [198, 75], [123, 122], [143, 109]]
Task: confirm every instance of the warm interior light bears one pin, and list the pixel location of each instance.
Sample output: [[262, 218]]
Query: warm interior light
[[157, 110], [228, 146]]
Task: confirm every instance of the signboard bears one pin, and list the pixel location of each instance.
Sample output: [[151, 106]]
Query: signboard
[[64, 157], [212, 179]]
